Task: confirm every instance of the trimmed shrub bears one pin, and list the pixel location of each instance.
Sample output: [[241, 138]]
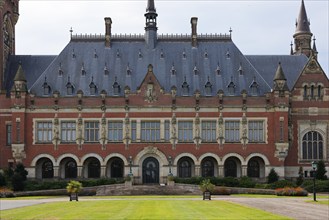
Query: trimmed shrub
[[320, 185], [290, 191], [300, 178], [281, 184], [20, 169], [17, 182], [272, 176], [246, 182], [3, 181], [321, 171]]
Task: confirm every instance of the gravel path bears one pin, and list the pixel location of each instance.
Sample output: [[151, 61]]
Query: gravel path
[[295, 208]]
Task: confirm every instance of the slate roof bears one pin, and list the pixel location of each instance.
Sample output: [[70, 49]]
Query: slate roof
[[33, 67]]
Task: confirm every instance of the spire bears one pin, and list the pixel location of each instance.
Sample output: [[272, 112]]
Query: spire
[[303, 35], [150, 6], [302, 24], [20, 75], [291, 50], [280, 80], [314, 46], [151, 24]]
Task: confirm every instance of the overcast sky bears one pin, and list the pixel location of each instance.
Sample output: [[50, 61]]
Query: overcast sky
[[259, 26]]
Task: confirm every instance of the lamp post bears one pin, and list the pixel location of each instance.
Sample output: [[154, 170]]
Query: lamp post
[[314, 166], [130, 165], [170, 162]]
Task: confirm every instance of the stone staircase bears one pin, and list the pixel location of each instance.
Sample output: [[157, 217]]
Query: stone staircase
[[124, 189]]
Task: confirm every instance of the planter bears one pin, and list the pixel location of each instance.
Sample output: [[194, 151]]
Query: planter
[[74, 196], [206, 195]]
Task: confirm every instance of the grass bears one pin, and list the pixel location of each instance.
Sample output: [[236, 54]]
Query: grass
[[138, 209]]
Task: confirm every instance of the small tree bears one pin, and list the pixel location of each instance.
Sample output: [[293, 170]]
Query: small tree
[[207, 186], [74, 187], [272, 176], [17, 182], [20, 169], [300, 178], [321, 171]]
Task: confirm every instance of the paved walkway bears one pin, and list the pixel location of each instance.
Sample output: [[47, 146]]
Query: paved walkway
[[294, 207]]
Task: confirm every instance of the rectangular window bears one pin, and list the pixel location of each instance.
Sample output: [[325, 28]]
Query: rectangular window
[[68, 132], [115, 131], [281, 131], [9, 134], [44, 132], [208, 131], [232, 131], [18, 132], [133, 131], [167, 130], [150, 131], [256, 131], [185, 131], [92, 131]]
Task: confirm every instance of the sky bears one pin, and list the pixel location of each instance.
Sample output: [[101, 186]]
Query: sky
[[259, 27]]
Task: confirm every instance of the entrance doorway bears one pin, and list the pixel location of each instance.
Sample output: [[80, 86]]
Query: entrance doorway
[[150, 171]]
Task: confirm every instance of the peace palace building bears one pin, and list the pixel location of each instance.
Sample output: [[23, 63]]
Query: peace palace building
[[155, 105]]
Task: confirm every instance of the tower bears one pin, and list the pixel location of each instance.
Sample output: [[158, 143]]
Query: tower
[[151, 25], [303, 35]]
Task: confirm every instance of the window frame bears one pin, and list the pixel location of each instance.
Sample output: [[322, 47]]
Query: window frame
[[150, 129], [183, 136], [95, 129], [205, 131], [236, 131], [47, 133], [260, 136], [115, 134], [70, 131]]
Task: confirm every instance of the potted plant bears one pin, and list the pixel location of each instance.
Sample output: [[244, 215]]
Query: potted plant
[[73, 188], [207, 188]]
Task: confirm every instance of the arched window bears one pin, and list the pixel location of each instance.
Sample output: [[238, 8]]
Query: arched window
[[47, 169], [312, 146], [208, 87], [71, 169], [94, 168], [230, 168], [312, 92], [117, 168], [254, 88], [185, 88], [231, 88], [116, 88], [305, 91], [185, 168], [93, 87], [319, 91], [207, 168], [253, 168]]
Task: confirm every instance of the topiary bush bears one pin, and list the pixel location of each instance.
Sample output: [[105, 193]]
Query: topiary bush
[[3, 181], [281, 184], [321, 171], [272, 176], [17, 182], [246, 182]]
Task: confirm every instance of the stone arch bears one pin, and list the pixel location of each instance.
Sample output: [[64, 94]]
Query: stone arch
[[215, 156], [151, 152], [35, 159], [266, 161], [85, 157], [61, 157], [242, 160], [108, 157], [260, 161], [178, 157]]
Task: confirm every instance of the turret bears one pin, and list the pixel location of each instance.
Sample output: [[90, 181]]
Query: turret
[[280, 80], [19, 81], [303, 35], [151, 25]]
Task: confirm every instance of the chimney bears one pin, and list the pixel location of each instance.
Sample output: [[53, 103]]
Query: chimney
[[108, 25], [194, 22]]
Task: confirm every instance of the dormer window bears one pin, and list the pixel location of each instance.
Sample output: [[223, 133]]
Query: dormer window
[[140, 56], [93, 87], [118, 54], [46, 88], [83, 71], [116, 87], [254, 88], [173, 70], [240, 70], [228, 56], [185, 88], [208, 88], [106, 70], [69, 87], [161, 54], [231, 87], [60, 71], [217, 70], [184, 55], [206, 54], [195, 70], [128, 70]]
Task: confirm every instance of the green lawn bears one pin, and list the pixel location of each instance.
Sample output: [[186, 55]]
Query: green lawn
[[138, 209]]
